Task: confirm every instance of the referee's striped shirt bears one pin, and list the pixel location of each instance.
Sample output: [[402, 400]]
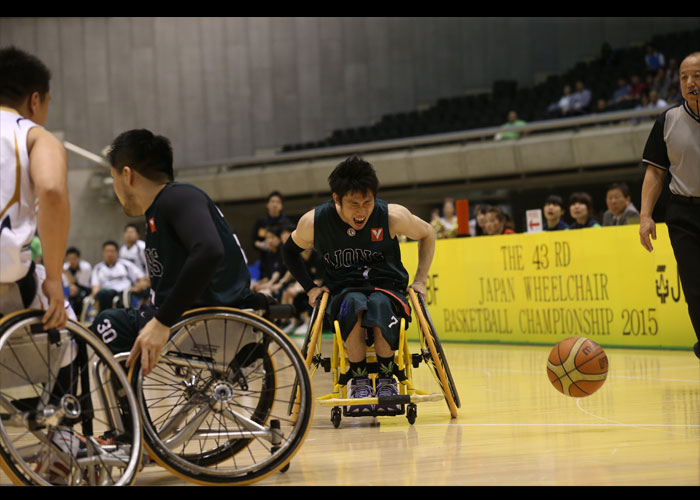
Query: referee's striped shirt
[[674, 145]]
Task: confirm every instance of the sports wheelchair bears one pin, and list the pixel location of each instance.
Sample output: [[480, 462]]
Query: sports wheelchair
[[431, 353], [228, 403]]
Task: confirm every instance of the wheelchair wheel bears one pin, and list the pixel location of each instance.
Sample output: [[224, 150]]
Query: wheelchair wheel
[[433, 354], [230, 400], [68, 415]]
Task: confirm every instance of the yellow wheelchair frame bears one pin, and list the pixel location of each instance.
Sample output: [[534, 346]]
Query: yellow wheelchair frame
[[430, 352]]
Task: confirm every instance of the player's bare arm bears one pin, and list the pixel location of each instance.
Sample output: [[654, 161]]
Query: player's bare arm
[[48, 169], [402, 221], [303, 238]]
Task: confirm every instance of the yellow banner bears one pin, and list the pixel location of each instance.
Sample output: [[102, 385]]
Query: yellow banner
[[544, 287]]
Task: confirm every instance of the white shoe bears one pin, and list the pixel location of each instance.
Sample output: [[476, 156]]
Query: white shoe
[[59, 467]]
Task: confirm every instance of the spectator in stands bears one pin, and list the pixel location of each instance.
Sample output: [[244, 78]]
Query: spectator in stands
[[134, 248], [660, 83], [497, 222], [655, 101], [654, 60], [580, 100], [113, 276], [476, 225], [621, 93], [513, 121], [637, 88], [554, 210], [601, 106], [620, 210], [563, 105], [672, 79], [445, 226], [581, 210], [77, 272], [274, 218], [674, 96], [272, 268]]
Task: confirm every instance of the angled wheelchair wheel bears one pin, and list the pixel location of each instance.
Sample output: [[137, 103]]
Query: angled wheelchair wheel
[[230, 400], [433, 354], [68, 414]]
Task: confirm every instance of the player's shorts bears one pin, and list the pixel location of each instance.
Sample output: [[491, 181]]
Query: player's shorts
[[378, 307], [118, 328]]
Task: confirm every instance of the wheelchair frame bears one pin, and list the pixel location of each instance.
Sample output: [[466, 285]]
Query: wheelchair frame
[[430, 352]]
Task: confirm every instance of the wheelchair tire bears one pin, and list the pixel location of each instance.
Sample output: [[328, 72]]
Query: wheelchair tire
[[430, 344], [52, 384], [230, 400]]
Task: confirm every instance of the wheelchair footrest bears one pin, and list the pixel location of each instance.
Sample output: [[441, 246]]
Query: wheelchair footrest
[[382, 413], [333, 400]]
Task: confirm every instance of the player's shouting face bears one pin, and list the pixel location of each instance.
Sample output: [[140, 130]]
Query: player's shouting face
[[355, 208]]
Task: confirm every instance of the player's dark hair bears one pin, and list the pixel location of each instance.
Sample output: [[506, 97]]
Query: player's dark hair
[[135, 226], [148, 154], [275, 193], [353, 174], [110, 243], [623, 187], [21, 74], [72, 250], [498, 212], [555, 199], [582, 197]]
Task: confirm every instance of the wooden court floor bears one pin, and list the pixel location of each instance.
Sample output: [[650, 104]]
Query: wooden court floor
[[641, 428]]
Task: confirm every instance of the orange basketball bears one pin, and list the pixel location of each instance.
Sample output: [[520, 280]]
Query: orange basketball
[[577, 367]]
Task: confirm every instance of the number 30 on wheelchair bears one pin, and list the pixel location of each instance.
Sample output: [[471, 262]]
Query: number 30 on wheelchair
[[430, 353]]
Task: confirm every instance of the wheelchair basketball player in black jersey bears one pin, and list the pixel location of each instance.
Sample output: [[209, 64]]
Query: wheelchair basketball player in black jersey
[[194, 258], [356, 236]]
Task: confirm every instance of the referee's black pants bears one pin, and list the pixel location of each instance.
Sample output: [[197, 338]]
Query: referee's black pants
[[683, 221]]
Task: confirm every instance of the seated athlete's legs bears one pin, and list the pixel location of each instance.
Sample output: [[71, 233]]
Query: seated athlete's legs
[[118, 328]]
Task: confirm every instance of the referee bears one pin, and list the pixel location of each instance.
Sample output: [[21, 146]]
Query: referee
[[674, 146]]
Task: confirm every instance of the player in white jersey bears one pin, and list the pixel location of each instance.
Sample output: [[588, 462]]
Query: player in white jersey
[[33, 191], [134, 248]]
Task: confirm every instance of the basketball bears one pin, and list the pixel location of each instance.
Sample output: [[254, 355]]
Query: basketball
[[577, 367]]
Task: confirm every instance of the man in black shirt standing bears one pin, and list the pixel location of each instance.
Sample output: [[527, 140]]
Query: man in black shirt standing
[[194, 258], [673, 146]]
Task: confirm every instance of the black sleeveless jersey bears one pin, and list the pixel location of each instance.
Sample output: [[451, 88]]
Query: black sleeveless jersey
[[368, 257], [185, 234]]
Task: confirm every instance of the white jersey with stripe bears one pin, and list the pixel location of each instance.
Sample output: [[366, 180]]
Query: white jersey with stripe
[[18, 204]]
